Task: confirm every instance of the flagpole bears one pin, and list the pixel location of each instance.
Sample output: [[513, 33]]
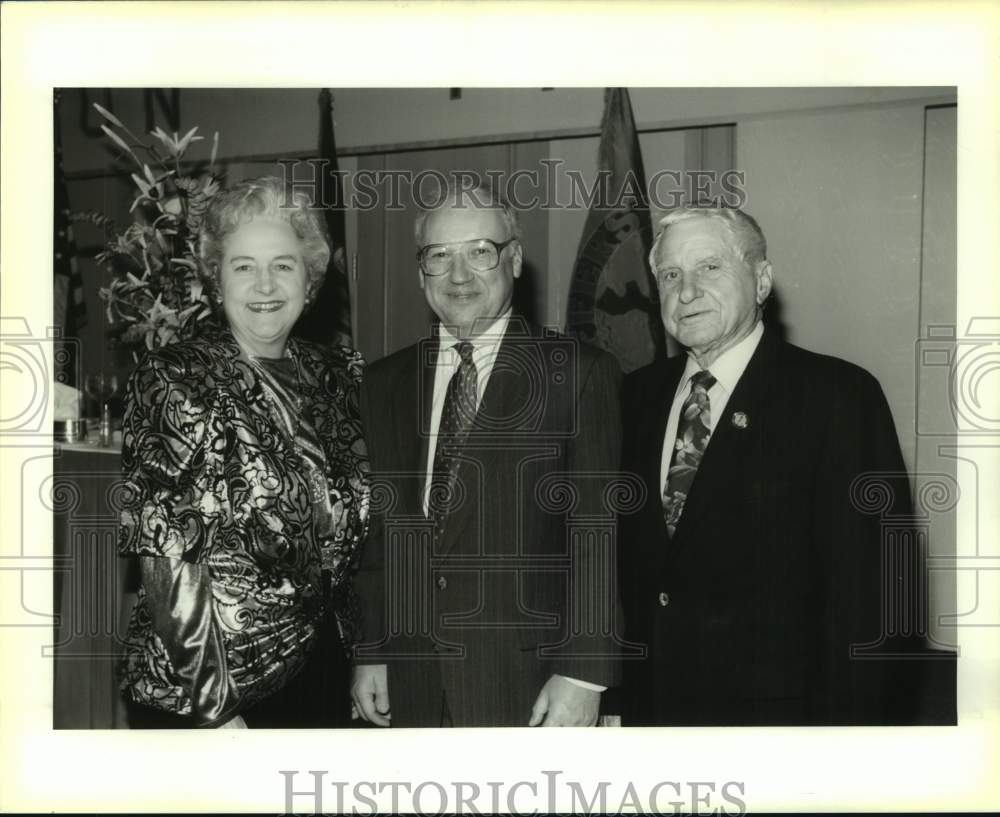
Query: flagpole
[[352, 286]]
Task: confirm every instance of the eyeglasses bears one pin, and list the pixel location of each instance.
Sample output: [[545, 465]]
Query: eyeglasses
[[479, 254]]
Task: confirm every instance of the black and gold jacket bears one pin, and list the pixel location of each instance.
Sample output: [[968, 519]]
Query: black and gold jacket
[[217, 501]]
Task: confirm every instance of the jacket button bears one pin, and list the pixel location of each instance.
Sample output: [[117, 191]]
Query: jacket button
[[442, 582], [664, 599]]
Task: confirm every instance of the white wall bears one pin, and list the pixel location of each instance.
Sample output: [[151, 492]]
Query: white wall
[[844, 235], [936, 453], [275, 121]]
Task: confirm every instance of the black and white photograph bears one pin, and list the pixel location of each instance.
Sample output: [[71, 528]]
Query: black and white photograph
[[344, 531], [419, 414]]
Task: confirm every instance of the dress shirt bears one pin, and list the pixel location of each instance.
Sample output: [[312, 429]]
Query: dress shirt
[[727, 370], [484, 354]]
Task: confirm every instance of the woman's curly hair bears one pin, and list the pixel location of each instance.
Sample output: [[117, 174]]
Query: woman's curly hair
[[269, 197]]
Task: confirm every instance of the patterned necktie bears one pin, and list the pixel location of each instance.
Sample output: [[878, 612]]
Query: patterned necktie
[[693, 432], [457, 416]]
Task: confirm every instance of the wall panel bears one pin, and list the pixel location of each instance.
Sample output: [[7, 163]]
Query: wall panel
[[936, 428], [839, 195]]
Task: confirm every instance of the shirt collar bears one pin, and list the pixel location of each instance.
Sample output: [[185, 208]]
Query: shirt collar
[[488, 339], [728, 367]]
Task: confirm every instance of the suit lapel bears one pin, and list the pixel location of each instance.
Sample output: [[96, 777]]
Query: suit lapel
[[733, 450], [654, 428], [649, 435], [411, 395], [420, 383], [508, 389]]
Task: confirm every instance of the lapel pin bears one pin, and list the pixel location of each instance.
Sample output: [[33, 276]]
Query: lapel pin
[[740, 420]]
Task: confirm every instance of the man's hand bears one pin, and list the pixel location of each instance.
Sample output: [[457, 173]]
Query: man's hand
[[236, 722], [370, 693], [562, 703]]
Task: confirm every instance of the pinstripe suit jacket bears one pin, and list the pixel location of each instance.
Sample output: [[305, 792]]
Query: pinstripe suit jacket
[[480, 612]]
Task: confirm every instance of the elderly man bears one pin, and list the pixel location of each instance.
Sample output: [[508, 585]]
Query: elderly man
[[491, 443], [752, 577]]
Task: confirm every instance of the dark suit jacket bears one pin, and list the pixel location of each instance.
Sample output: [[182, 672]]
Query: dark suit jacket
[[775, 571], [482, 613]]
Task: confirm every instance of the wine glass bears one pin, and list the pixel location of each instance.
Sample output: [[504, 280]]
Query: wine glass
[[99, 387]]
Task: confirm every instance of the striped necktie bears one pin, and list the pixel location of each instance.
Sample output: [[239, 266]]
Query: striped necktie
[[457, 415]]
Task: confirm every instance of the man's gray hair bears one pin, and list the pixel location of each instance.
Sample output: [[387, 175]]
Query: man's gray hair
[[743, 227], [480, 195]]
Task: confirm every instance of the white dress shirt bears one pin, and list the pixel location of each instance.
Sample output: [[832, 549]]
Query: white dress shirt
[[727, 370], [484, 354]]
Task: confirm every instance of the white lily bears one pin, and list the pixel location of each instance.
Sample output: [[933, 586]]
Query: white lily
[[176, 146]]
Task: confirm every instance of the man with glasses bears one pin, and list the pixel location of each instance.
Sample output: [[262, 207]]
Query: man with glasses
[[486, 586]]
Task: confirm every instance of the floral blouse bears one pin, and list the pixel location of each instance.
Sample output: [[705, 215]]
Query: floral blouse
[[220, 480]]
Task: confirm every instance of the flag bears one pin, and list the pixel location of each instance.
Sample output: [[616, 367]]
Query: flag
[[70, 308], [328, 320], [612, 298]]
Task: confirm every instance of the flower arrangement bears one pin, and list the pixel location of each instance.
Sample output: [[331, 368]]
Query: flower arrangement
[[155, 296]]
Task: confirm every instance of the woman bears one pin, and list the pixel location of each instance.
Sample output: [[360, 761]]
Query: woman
[[246, 494]]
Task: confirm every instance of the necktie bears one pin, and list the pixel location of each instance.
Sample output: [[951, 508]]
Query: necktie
[[456, 419], [693, 432]]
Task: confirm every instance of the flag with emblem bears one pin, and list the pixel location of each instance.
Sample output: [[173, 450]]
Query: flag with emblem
[[328, 320], [612, 298]]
